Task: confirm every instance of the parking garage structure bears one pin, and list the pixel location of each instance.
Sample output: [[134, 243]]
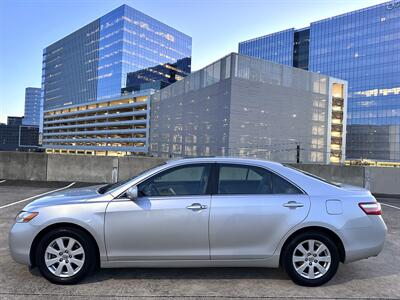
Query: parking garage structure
[[118, 126], [250, 107]]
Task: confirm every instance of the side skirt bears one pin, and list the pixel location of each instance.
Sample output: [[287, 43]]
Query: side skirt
[[271, 262]]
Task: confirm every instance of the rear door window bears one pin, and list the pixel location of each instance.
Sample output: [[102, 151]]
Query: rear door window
[[242, 179]]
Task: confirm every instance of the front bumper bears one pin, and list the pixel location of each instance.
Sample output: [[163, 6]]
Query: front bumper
[[362, 243], [20, 239]]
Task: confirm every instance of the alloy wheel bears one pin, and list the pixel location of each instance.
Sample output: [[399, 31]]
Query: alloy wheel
[[64, 257], [311, 259]]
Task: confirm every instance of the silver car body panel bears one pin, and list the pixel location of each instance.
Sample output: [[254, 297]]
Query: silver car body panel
[[157, 228], [234, 230], [82, 207], [259, 220]]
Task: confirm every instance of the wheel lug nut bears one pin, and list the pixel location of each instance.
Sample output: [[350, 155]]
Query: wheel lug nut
[[70, 256], [60, 253], [315, 255], [310, 264], [66, 261], [309, 254], [306, 259], [61, 259]]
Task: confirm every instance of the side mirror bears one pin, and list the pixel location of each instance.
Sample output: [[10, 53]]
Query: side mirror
[[132, 193]]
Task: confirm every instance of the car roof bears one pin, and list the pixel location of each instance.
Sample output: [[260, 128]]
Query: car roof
[[223, 159], [309, 184]]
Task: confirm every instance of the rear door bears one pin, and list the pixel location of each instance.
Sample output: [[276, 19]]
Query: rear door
[[251, 210]]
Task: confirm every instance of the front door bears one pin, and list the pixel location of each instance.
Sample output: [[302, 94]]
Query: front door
[[169, 220], [251, 211]]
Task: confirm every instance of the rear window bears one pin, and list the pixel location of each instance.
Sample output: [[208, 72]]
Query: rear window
[[314, 176]]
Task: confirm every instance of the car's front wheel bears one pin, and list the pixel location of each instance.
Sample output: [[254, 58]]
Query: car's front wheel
[[311, 259], [65, 255]]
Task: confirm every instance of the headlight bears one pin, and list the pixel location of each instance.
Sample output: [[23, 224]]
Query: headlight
[[25, 216]]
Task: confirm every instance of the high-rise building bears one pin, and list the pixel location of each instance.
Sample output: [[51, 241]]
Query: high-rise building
[[245, 106], [17, 137], [14, 121], [363, 48], [122, 52], [32, 106], [93, 62]]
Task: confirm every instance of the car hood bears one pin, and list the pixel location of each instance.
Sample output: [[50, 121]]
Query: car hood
[[67, 196]]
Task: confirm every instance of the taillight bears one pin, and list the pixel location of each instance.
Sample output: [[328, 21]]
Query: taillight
[[371, 208]]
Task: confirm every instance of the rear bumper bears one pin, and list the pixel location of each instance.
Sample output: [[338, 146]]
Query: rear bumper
[[365, 242], [20, 241]]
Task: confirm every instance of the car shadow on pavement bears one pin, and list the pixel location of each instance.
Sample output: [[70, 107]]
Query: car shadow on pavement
[[346, 273], [181, 273], [191, 273]]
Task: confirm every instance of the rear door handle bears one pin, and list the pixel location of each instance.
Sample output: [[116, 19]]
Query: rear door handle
[[196, 206], [293, 204]]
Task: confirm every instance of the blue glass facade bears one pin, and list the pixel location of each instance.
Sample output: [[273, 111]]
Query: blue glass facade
[[276, 47], [100, 60], [32, 106], [363, 47]]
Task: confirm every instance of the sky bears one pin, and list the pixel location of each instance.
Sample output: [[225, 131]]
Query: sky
[[216, 27]]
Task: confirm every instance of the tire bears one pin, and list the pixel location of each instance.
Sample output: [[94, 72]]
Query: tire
[[315, 269], [73, 262]]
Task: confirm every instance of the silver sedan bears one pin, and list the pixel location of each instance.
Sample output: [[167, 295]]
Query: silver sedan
[[202, 212]]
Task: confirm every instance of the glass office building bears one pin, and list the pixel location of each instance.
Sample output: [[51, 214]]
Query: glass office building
[[18, 137], [276, 47], [96, 82], [99, 61], [362, 47], [14, 121], [32, 106]]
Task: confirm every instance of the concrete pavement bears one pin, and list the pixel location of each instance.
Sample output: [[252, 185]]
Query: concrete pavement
[[375, 278]]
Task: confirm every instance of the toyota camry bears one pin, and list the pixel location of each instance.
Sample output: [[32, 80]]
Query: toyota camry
[[202, 212]]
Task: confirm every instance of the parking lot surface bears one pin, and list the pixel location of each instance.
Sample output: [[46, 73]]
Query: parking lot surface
[[375, 278]]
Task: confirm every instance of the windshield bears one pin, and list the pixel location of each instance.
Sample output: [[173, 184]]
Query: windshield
[[109, 187], [314, 176]]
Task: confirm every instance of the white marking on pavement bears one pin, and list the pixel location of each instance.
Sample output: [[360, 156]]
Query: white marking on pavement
[[392, 206], [1, 181], [30, 198]]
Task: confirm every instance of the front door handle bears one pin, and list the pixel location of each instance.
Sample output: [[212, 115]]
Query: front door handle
[[196, 206], [293, 204]]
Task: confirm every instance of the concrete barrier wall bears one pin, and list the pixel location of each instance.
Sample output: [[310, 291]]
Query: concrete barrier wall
[[96, 168], [40, 166], [383, 180], [81, 168], [353, 175], [43, 167], [23, 165]]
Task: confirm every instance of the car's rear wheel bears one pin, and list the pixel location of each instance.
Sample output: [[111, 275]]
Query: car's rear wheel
[[311, 259], [65, 255]]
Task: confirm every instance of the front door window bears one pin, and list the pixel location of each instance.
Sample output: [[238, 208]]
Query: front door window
[[179, 181]]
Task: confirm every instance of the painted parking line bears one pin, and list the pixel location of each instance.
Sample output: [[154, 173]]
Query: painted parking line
[[33, 197], [1, 181], [392, 206]]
